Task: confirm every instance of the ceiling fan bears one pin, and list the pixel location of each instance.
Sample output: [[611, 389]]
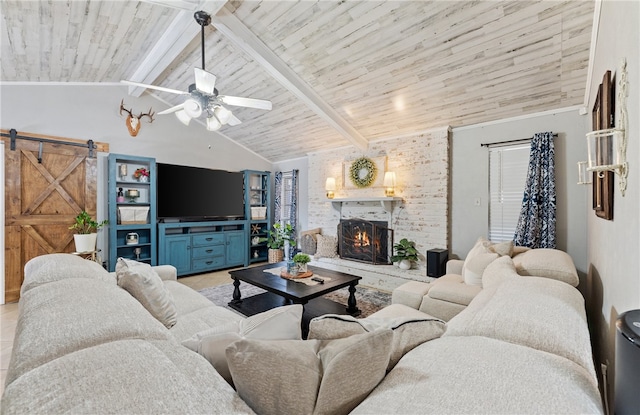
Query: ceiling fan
[[203, 96]]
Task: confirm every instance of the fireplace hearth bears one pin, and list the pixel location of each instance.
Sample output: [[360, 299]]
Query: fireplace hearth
[[365, 241]]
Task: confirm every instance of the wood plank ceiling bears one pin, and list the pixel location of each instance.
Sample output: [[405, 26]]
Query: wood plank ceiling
[[384, 68]]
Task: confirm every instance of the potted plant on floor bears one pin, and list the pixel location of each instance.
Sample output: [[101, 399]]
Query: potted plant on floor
[[405, 253], [86, 231], [279, 241]]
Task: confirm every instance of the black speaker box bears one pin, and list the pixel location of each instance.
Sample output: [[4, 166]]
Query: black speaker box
[[437, 262]]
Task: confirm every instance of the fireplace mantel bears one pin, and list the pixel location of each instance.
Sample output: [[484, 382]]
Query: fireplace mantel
[[386, 202]]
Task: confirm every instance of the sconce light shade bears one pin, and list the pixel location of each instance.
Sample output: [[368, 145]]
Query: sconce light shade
[[584, 176], [330, 187], [389, 183], [605, 149]]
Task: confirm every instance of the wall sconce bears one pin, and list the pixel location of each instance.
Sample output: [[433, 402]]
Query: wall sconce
[[607, 149], [330, 187], [389, 183]]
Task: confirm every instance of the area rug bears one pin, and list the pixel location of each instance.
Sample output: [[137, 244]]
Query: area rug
[[368, 300]]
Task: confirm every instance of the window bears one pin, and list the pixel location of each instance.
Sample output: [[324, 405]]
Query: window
[[286, 197], [507, 179]]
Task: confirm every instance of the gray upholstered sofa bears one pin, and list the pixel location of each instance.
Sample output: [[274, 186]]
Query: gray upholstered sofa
[[84, 345], [448, 295]]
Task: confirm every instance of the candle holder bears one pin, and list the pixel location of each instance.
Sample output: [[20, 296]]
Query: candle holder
[[132, 195]]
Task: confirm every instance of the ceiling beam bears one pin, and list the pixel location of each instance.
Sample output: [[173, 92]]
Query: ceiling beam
[[173, 41], [234, 30]]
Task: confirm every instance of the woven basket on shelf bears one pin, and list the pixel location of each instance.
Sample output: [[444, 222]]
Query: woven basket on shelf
[[275, 255]]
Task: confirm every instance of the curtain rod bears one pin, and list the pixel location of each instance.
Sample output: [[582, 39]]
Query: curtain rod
[[511, 141]]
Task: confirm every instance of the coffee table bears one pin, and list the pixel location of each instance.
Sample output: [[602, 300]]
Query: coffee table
[[281, 291]]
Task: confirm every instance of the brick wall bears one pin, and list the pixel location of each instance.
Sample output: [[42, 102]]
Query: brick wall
[[421, 164]]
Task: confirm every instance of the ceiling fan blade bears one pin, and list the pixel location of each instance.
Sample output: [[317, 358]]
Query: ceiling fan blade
[[172, 109], [159, 88], [205, 81], [233, 120], [260, 104]]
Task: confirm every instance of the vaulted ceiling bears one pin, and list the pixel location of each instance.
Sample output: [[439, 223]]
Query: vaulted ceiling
[[337, 72]]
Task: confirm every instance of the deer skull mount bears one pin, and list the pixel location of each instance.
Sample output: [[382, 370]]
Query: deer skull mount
[[133, 121]]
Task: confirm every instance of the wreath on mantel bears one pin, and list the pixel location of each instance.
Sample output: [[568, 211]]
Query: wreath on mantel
[[363, 172]]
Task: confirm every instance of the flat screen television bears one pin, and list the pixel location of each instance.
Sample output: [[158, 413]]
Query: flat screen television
[[193, 193]]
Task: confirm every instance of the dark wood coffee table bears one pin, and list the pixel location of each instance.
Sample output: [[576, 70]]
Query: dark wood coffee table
[[281, 291]]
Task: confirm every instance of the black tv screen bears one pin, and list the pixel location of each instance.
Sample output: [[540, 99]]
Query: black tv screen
[[195, 193]]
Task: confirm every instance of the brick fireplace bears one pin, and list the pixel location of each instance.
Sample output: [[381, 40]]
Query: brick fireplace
[[365, 241]]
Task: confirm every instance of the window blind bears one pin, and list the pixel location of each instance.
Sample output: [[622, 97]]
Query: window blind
[[507, 178]]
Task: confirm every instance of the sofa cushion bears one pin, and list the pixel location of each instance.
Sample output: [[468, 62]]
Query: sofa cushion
[[474, 267], [498, 271], [68, 315], [540, 313], [281, 323], [54, 267], [308, 376], [142, 282], [479, 375], [408, 331], [327, 247], [549, 263], [125, 376], [452, 288]]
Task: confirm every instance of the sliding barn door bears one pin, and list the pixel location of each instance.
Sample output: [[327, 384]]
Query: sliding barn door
[[45, 188]]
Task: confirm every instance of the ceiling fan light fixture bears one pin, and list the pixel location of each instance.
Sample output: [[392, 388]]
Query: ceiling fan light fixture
[[222, 114], [192, 108], [213, 124], [183, 117]]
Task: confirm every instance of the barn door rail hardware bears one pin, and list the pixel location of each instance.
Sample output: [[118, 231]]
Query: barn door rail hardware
[[13, 134]]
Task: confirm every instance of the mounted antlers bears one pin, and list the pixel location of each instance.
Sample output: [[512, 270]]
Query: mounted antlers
[[133, 121]]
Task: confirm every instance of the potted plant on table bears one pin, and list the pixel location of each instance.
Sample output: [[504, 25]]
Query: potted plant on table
[[301, 261], [86, 231], [405, 253], [280, 239]]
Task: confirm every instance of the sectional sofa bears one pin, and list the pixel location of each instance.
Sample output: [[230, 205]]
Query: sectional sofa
[[85, 345]]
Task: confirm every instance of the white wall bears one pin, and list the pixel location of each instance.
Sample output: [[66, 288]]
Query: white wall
[[92, 112], [470, 179], [614, 248]]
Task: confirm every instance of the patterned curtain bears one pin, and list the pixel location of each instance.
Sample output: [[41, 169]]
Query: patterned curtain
[[290, 205], [537, 222], [278, 197]]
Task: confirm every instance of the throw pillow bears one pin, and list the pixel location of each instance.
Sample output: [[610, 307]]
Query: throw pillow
[[143, 283], [408, 332], [502, 248], [327, 247], [548, 263], [309, 376], [281, 323], [473, 269], [498, 271], [481, 247], [308, 241]]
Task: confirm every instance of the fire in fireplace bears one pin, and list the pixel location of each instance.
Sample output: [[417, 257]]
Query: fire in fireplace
[[365, 241]]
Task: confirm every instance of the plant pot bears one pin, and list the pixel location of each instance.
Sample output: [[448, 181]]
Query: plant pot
[[86, 242], [404, 264], [275, 255], [302, 268]]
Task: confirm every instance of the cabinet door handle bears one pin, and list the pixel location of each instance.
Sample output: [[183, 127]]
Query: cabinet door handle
[[209, 262], [188, 246], [208, 251], [208, 239]]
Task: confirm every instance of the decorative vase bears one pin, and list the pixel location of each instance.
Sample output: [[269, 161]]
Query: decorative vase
[[404, 264], [143, 179], [85, 242], [302, 268], [275, 255]]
